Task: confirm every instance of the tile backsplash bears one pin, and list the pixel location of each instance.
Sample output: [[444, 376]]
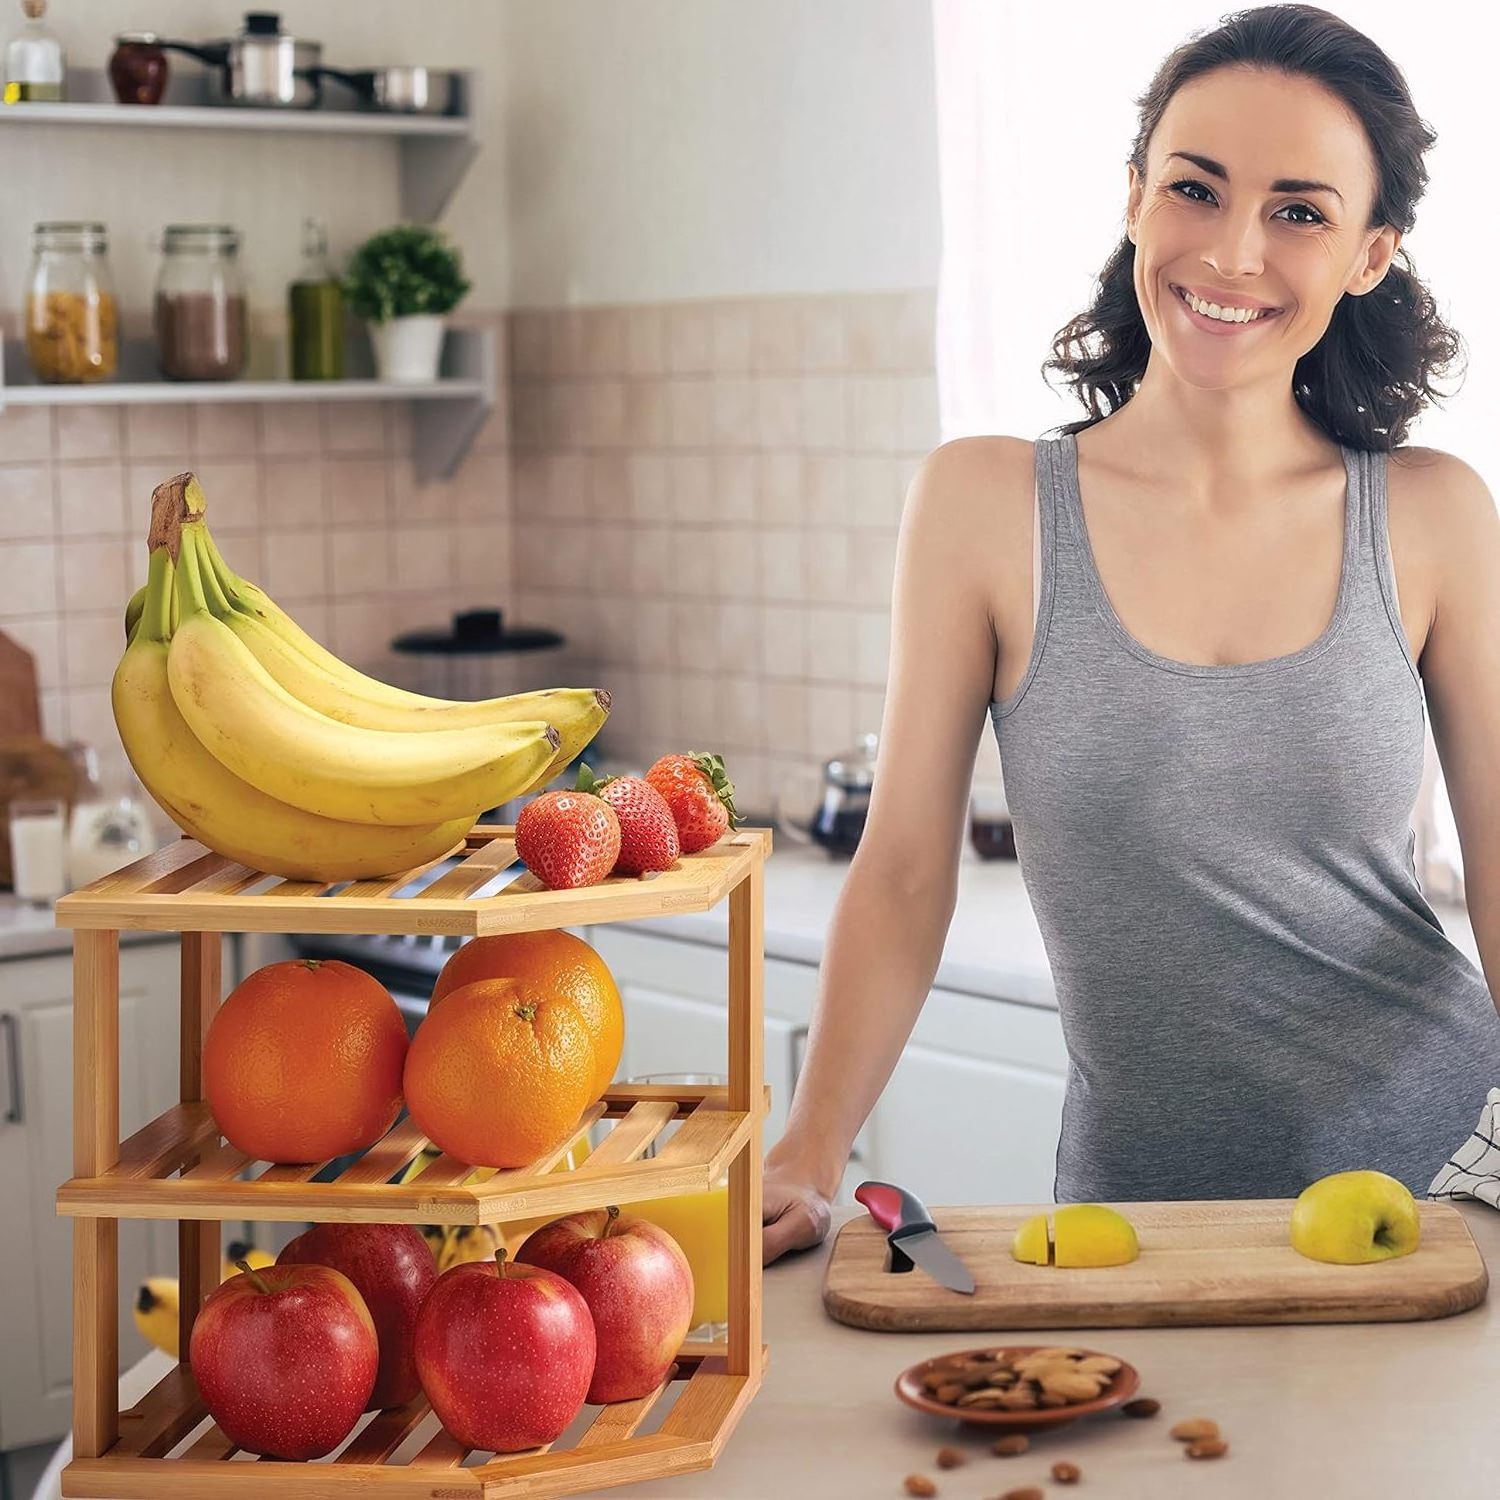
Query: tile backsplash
[[703, 497]]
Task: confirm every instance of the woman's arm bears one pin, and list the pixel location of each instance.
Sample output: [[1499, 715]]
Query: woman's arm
[[886, 935], [1461, 673]]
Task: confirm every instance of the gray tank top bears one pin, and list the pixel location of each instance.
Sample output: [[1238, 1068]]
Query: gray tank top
[[1253, 990]]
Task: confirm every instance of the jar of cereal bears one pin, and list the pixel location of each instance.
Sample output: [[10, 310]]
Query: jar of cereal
[[72, 326]]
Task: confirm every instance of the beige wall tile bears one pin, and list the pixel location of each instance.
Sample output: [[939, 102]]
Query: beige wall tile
[[734, 413], [603, 412], [738, 636], [786, 715], [233, 491], [604, 341], [28, 578], [869, 710], [647, 414], [783, 640], [689, 328], [565, 486], [776, 335], [781, 489], [875, 414], [228, 429], [87, 432], [25, 434], [291, 492], [652, 560], [92, 720], [609, 556], [291, 429], [160, 430], [41, 635], [608, 486], [830, 718], [690, 412], [778, 413], [655, 629], [362, 630], [826, 569], [825, 334], [26, 509], [355, 491], [733, 337], [528, 343], [568, 355], [690, 478], [93, 576], [917, 414], [739, 712], [872, 568], [872, 645], [830, 645], [648, 481], [353, 426], [781, 563], [826, 490], [824, 412], [876, 491], [697, 708], [361, 558], [735, 478], [483, 558], [92, 644], [296, 564], [646, 340]]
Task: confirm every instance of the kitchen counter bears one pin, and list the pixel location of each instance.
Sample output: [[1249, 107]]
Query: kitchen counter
[[27, 931], [993, 948], [1364, 1411]]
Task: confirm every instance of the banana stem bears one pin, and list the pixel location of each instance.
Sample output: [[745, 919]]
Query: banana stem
[[190, 597], [156, 616], [196, 537]]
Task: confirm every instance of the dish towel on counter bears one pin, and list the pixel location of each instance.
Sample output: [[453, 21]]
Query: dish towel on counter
[[1473, 1171]]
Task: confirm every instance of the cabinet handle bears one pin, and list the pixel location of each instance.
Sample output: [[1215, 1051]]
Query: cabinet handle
[[12, 1066]]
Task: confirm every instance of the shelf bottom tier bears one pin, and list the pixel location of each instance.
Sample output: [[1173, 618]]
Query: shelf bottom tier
[[169, 1446]]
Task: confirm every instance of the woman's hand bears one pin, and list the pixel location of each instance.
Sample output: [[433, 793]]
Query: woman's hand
[[794, 1209]]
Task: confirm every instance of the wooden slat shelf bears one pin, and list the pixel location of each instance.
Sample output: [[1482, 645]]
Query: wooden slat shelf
[[179, 1167], [148, 1181], [162, 1452], [187, 888]]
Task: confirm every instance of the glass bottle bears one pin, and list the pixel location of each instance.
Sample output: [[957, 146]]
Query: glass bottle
[[200, 312], [315, 311], [72, 324], [35, 69]]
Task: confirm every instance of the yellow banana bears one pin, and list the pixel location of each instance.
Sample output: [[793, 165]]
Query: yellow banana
[[155, 1310], [228, 814], [252, 1255], [264, 735], [469, 1242]]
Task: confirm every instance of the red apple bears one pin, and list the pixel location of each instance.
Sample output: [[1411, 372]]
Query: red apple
[[505, 1353], [285, 1358], [638, 1286], [392, 1268]]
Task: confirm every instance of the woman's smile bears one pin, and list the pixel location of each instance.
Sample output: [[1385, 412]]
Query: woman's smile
[[1209, 324]]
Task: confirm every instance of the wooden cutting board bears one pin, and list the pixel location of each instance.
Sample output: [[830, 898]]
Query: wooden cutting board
[[1210, 1262]]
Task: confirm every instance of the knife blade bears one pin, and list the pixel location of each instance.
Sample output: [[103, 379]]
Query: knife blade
[[911, 1233]]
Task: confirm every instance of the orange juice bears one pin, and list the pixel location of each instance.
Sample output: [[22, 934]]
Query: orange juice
[[699, 1222]]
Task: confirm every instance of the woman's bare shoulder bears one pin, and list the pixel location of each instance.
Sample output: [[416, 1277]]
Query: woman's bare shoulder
[[984, 483]]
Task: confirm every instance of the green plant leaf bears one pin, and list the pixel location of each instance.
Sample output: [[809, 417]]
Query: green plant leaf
[[404, 270]]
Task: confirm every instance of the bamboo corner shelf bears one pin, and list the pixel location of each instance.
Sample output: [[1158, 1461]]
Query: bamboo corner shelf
[[178, 1167]]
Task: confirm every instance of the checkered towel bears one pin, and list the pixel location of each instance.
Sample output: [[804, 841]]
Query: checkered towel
[[1473, 1171]]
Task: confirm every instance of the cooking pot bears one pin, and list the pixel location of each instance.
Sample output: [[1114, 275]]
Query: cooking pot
[[261, 65], [400, 90], [843, 799]]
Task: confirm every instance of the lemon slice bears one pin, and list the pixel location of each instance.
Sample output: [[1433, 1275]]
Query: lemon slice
[[1033, 1242], [1089, 1234]]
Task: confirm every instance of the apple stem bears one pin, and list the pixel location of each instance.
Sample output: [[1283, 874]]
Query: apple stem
[[611, 1214], [500, 1254], [256, 1279]]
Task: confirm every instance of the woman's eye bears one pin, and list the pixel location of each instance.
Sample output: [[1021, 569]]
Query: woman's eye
[[1188, 182], [1307, 208]]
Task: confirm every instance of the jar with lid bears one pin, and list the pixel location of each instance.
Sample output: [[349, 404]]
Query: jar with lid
[[36, 68], [315, 311], [138, 68], [200, 314], [72, 322]]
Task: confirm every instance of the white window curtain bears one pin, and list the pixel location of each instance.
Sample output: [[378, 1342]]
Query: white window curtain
[[1036, 114]]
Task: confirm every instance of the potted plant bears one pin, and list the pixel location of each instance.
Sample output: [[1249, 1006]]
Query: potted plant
[[402, 281]]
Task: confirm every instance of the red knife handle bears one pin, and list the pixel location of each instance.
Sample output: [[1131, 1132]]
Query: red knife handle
[[893, 1208]]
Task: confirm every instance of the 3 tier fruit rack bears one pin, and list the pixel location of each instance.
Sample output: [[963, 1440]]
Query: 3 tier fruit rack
[[178, 1167]]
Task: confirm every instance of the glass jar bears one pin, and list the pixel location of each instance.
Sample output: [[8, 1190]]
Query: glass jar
[[36, 68], [200, 315], [315, 311], [72, 323], [138, 68]]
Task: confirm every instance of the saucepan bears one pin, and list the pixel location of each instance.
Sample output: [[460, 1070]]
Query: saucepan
[[262, 65], [407, 90]]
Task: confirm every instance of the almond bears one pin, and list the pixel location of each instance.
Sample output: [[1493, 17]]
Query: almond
[[951, 1458], [1142, 1406], [1210, 1447], [920, 1484], [1193, 1428], [1012, 1445], [1066, 1473]]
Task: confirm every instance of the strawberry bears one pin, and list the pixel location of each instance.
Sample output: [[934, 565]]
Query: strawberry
[[648, 832], [568, 839], [700, 794]]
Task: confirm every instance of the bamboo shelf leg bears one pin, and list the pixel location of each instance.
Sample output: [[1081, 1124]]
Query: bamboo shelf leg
[[198, 1248], [746, 1072], [96, 1148]]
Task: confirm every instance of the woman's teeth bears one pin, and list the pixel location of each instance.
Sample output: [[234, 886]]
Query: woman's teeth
[[1224, 314]]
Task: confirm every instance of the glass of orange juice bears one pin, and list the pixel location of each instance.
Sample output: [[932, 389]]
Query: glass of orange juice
[[699, 1222]]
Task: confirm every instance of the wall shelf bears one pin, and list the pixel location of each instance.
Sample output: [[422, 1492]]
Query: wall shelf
[[446, 415], [435, 150]]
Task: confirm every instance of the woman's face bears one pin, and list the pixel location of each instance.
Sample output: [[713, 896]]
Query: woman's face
[[1257, 194]]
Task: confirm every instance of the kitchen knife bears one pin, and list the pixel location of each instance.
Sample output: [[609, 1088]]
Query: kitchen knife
[[911, 1233]]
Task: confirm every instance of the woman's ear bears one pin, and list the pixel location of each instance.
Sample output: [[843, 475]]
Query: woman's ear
[[1134, 186], [1377, 261]]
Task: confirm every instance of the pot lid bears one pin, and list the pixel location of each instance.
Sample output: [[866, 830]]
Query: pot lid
[[854, 770], [477, 632]]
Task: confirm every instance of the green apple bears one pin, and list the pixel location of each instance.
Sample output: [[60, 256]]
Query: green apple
[[1352, 1218]]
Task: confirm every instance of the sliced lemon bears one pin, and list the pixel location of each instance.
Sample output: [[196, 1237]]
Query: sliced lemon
[[1033, 1243], [1089, 1234]]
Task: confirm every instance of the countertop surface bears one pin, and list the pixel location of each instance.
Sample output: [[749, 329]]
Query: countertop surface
[[993, 948], [1367, 1411]]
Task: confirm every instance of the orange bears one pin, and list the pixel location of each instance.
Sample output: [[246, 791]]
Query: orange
[[552, 964], [303, 1062], [497, 1074]]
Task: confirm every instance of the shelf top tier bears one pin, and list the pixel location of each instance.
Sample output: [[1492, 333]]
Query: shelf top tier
[[185, 887]]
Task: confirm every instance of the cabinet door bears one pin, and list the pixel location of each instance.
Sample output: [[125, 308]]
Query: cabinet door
[[36, 1156]]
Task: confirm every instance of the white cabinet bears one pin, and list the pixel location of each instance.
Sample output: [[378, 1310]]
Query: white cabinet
[[36, 1075], [970, 1115]]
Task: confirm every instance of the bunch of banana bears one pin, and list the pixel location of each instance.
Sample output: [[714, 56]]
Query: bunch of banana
[[157, 1298], [270, 750]]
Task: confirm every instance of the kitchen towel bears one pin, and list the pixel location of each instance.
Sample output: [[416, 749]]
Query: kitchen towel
[[1473, 1171]]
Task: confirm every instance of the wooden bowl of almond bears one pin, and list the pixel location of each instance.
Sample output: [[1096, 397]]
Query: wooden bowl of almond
[[1019, 1387]]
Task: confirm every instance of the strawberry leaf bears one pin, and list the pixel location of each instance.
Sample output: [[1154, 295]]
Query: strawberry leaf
[[712, 766]]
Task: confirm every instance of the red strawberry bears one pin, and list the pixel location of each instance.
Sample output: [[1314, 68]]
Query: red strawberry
[[648, 832], [568, 839], [700, 794]]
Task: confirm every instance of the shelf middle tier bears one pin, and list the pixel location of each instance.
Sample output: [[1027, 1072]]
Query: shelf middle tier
[[153, 1178]]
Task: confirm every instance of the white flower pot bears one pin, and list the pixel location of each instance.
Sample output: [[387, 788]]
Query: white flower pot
[[407, 349]]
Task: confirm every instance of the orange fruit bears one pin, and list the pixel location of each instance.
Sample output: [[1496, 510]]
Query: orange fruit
[[498, 1074], [303, 1062], [550, 964]]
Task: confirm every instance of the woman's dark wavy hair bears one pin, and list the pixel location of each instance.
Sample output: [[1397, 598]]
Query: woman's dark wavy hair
[[1372, 370]]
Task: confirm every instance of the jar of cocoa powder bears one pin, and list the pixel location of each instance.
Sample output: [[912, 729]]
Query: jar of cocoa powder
[[200, 313]]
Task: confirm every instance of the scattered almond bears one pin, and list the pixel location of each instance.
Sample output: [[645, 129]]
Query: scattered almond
[[1026, 1492], [1142, 1406], [920, 1484], [1012, 1445], [1066, 1473], [1194, 1428], [948, 1394], [1209, 1447], [951, 1458]]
